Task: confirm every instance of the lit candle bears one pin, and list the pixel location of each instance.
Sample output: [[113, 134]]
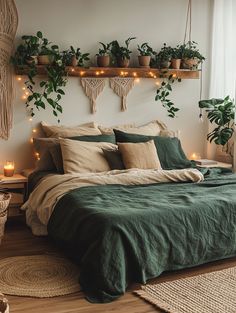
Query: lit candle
[[9, 169], [195, 156]]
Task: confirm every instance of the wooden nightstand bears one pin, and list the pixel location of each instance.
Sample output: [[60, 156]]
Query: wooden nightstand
[[219, 164], [17, 186]]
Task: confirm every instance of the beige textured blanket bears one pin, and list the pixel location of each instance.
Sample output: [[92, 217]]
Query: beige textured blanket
[[43, 199]]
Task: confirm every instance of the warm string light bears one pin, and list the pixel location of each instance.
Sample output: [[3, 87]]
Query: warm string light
[[137, 80]]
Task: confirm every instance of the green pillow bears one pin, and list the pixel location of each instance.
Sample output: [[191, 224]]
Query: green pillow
[[96, 138], [55, 150], [169, 150]]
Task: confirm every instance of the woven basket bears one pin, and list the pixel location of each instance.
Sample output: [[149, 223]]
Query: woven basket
[[4, 306], [4, 202]]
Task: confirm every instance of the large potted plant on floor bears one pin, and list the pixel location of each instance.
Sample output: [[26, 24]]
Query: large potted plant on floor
[[191, 57], [220, 112], [121, 54], [103, 55], [146, 53]]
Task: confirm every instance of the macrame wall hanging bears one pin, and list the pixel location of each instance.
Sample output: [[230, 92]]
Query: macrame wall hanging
[[92, 88], [122, 86], [8, 27]]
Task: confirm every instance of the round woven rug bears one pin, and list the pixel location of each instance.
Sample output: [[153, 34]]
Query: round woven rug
[[40, 276]]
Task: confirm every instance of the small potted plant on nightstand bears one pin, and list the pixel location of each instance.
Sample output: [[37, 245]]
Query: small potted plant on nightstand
[[121, 54], [145, 54], [191, 57], [103, 56], [77, 57], [164, 57]]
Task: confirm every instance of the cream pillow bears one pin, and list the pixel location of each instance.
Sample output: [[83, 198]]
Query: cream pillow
[[140, 155], [84, 157], [70, 131]]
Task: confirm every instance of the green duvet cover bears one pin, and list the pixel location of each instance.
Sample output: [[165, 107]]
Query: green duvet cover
[[121, 234]]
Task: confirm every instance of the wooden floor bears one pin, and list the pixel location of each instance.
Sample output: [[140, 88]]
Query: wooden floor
[[19, 241]]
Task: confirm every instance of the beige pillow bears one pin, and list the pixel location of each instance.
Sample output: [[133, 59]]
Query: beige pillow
[[150, 129], [140, 155], [109, 130], [84, 157], [70, 131]]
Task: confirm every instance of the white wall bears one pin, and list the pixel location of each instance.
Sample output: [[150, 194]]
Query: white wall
[[85, 22]]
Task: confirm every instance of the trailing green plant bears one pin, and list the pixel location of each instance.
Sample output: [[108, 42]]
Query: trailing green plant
[[80, 57], [145, 50], [163, 92], [220, 112], [119, 51], [191, 51], [106, 49], [47, 92]]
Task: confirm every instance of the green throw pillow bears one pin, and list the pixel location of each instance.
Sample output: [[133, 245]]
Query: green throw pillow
[[169, 150]]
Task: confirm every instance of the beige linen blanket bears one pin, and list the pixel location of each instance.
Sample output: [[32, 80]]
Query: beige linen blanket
[[45, 196]]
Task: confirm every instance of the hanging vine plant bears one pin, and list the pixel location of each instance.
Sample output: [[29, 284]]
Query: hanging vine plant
[[163, 92], [47, 92]]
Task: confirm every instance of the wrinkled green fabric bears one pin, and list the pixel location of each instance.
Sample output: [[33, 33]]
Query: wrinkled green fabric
[[121, 234]]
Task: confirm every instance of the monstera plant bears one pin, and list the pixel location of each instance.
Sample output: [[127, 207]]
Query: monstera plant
[[221, 112]]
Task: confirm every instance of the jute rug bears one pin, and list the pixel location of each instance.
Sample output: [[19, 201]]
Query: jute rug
[[40, 276], [213, 292]]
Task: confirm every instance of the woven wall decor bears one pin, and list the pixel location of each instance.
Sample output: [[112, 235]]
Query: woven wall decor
[[8, 27], [122, 86], [92, 88]]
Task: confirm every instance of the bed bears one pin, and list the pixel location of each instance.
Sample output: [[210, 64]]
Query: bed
[[130, 225]]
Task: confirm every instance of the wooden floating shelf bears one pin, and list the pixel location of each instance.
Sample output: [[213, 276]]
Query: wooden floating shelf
[[117, 71]]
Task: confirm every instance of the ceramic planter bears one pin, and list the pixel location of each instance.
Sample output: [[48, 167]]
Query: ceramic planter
[[123, 62], [103, 60], [33, 60], [74, 61], [144, 60], [175, 63], [190, 63], [164, 64], [45, 59]]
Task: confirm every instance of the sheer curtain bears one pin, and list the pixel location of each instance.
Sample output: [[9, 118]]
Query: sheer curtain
[[223, 56]]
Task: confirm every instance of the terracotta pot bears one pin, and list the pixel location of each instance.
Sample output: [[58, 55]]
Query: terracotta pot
[[103, 60], [190, 63], [164, 64], [74, 61], [175, 63], [33, 59], [45, 59], [123, 62], [144, 60]]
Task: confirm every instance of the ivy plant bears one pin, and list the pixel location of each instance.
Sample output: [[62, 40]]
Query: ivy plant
[[220, 112], [163, 92]]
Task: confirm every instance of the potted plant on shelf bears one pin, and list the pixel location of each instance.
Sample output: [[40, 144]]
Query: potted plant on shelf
[[77, 57], [27, 52], [121, 54], [49, 90], [176, 57], [145, 54], [222, 113], [191, 57], [164, 57], [103, 55]]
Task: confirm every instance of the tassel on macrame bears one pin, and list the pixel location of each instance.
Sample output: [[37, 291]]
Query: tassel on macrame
[[122, 86], [8, 27], [92, 88]]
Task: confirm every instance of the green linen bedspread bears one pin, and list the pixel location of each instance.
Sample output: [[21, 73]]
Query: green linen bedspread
[[121, 234]]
